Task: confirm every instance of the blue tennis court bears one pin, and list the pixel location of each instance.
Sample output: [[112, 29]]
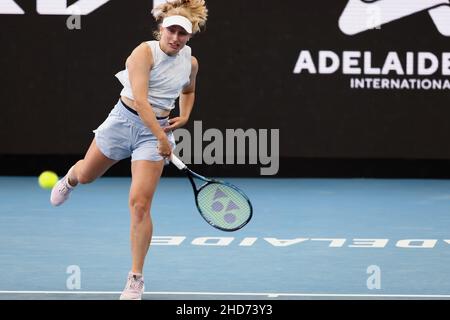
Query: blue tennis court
[[308, 239]]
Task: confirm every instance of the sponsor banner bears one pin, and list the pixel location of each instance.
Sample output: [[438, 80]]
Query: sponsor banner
[[345, 79]]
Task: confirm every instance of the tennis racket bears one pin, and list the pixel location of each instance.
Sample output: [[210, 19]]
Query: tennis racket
[[221, 204]]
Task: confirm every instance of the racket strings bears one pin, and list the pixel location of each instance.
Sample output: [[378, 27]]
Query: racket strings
[[224, 206]]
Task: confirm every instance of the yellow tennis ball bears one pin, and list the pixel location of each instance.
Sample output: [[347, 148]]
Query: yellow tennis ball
[[48, 179]]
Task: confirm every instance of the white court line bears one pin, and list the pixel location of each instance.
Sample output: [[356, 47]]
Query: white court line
[[270, 295]]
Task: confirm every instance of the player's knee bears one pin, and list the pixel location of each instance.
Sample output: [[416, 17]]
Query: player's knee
[[139, 208]]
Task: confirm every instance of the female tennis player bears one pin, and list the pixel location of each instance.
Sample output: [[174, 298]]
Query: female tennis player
[[156, 74]]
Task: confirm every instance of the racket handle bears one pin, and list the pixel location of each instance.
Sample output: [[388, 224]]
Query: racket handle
[[177, 162]]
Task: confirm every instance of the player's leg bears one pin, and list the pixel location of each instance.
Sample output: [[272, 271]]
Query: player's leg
[[145, 178], [112, 143], [94, 165]]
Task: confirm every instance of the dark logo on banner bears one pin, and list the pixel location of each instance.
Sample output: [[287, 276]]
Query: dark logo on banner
[[399, 70], [363, 15]]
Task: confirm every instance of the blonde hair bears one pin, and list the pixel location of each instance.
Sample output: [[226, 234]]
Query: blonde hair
[[194, 10]]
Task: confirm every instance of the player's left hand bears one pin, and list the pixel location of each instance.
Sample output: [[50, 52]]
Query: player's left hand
[[175, 123]]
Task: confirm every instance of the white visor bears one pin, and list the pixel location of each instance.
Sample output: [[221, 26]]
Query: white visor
[[179, 21]]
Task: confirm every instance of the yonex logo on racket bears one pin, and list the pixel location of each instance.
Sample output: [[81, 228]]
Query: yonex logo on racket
[[223, 204], [362, 15], [231, 214]]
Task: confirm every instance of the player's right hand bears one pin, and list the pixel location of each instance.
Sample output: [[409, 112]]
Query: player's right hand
[[164, 148]]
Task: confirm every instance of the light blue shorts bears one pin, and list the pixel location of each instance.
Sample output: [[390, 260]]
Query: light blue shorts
[[123, 134]]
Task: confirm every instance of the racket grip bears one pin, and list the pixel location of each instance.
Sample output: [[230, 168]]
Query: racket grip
[[177, 162]]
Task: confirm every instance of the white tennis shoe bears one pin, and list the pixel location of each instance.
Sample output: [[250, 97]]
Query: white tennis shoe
[[61, 191], [134, 287]]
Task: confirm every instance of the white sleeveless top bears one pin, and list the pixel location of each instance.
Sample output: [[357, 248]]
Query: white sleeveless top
[[168, 76]]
